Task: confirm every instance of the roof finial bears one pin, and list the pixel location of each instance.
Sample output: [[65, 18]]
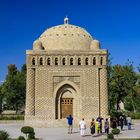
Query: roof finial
[[66, 20]]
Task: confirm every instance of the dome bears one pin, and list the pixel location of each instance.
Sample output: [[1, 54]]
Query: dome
[[37, 45], [95, 45], [64, 37]]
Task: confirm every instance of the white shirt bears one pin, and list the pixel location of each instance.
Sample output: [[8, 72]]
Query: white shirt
[[82, 124], [128, 119]]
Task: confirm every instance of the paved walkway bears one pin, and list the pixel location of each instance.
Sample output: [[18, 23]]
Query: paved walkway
[[61, 133]]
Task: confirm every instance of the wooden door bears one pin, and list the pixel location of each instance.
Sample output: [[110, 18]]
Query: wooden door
[[66, 107]]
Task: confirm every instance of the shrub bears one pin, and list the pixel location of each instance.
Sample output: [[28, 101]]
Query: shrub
[[4, 135], [135, 115], [115, 131], [31, 135], [110, 136], [11, 117], [28, 130], [21, 138]]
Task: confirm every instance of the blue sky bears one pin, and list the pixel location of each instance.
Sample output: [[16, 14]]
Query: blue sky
[[115, 23]]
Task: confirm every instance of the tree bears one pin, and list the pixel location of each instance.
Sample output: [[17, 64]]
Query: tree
[[122, 81], [1, 98], [14, 88]]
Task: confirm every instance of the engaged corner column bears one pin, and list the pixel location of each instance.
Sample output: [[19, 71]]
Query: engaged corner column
[[103, 92], [30, 92]]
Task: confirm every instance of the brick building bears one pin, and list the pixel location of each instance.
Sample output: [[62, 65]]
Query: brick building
[[66, 74]]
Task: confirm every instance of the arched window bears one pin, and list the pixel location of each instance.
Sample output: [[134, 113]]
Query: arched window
[[79, 61], [33, 61], [63, 61], [48, 61], [71, 61], [42, 48], [101, 61], [86, 61], [94, 60], [41, 61], [56, 61]]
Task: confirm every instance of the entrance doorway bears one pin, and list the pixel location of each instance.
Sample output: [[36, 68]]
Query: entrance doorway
[[66, 107], [65, 102]]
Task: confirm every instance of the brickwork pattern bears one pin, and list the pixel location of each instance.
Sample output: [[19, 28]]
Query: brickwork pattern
[[30, 96], [103, 92], [86, 104]]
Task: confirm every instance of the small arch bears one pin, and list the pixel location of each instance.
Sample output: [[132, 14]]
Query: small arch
[[56, 61], [64, 61], [101, 60], [48, 61], [41, 61], [86, 61], [94, 60], [79, 61], [33, 61], [71, 61]]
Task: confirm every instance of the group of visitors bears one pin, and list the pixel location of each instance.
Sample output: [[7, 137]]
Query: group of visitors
[[121, 121], [96, 125]]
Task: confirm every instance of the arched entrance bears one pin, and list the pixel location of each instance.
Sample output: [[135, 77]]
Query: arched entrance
[[65, 101]]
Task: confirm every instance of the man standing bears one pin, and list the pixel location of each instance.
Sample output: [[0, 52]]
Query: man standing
[[82, 126], [121, 121], [70, 120]]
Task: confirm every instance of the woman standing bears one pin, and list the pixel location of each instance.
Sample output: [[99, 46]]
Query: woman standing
[[92, 126]]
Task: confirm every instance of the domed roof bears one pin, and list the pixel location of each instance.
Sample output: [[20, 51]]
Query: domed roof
[[64, 37]]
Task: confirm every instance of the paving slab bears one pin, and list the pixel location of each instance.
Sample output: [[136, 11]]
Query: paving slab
[[13, 128]]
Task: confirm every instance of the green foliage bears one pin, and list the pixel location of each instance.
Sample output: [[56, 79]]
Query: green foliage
[[122, 83], [27, 129], [12, 69], [1, 98], [134, 115], [4, 135], [110, 136], [115, 131], [14, 89], [115, 114], [11, 117], [21, 138], [31, 135]]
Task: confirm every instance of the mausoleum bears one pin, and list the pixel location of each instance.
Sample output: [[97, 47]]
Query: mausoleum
[[66, 74]]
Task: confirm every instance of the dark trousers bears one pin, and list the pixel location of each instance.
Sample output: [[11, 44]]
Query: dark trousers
[[107, 130]]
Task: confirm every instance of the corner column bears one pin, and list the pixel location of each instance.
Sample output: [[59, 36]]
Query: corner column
[[30, 92], [103, 92]]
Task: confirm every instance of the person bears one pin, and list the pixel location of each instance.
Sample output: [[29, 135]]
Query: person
[[106, 126], [97, 126], [100, 121], [114, 123], [121, 121], [82, 127], [129, 122], [92, 126], [70, 121]]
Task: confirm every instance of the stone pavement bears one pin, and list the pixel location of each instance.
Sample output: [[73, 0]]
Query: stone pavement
[[61, 133]]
